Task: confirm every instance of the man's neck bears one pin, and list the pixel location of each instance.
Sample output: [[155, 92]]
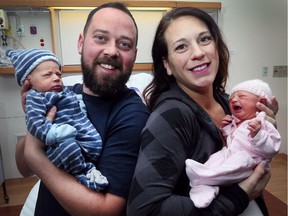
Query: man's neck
[[87, 91]]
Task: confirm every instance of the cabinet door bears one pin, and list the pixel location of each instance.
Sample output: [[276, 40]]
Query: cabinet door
[[1, 168], [23, 3]]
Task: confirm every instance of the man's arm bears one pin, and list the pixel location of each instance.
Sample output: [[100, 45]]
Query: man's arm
[[22, 166], [74, 197], [257, 181]]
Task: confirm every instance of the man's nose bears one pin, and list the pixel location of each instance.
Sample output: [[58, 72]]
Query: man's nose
[[111, 50]]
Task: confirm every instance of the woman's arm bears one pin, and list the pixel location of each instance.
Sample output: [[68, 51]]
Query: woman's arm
[[161, 162]]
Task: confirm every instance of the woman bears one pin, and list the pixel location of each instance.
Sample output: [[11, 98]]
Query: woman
[[188, 102]]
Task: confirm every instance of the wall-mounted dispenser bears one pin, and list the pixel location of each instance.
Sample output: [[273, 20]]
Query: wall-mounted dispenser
[[3, 20], [3, 26]]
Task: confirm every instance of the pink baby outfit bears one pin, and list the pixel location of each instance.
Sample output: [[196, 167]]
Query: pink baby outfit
[[234, 162]]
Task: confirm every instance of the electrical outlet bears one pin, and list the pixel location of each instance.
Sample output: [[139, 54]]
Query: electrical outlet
[[265, 71], [280, 71]]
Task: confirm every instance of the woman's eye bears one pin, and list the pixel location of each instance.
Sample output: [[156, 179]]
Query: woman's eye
[[180, 47], [206, 39]]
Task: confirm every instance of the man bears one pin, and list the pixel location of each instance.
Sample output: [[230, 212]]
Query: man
[[108, 52]]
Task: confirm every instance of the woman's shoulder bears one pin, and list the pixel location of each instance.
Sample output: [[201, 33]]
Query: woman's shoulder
[[173, 108], [176, 99]]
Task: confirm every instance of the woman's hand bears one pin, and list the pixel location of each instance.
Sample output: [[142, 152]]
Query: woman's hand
[[270, 111], [257, 181]]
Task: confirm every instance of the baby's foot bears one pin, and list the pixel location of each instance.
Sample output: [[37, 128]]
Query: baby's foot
[[94, 180], [203, 195], [95, 176]]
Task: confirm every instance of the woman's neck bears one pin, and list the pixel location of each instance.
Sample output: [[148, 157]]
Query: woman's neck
[[203, 97], [206, 100]]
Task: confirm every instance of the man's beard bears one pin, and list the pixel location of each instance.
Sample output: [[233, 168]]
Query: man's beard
[[102, 84]]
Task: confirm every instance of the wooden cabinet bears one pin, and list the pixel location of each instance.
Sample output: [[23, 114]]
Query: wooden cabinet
[[22, 3], [94, 3]]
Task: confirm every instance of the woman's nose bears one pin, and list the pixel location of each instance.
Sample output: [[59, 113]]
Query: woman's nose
[[197, 52]]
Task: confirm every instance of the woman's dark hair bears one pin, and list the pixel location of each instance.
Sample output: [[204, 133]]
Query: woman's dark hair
[[161, 81], [116, 5]]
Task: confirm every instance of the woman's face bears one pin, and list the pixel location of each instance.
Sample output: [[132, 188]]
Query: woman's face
[[192, 55]]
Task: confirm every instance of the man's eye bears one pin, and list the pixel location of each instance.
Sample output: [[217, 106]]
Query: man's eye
[[125, 46], [99, 37]]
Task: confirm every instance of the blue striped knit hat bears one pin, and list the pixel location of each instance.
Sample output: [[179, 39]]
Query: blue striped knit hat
[[25, 61]]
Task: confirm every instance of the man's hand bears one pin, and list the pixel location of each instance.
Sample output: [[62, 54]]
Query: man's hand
[[25, 88], [270, 111], [257, 181], [50, 116]]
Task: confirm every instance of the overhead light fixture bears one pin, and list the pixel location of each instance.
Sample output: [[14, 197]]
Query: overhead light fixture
[[130, 8]]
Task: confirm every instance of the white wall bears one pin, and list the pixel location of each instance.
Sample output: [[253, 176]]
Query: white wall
[[256, 33]]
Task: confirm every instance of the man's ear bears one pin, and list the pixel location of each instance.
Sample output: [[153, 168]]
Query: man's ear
[[80, 43]]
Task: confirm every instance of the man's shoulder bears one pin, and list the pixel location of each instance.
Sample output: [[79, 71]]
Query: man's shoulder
[[129, 99], [77, 88]]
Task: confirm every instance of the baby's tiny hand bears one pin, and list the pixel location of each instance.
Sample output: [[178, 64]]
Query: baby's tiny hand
[[226, 120], [254, 127]]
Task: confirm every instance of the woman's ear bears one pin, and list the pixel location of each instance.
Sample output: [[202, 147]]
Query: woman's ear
[[166, 65]]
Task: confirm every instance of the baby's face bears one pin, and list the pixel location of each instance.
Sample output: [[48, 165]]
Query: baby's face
[[243, 105], [46, 77]]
